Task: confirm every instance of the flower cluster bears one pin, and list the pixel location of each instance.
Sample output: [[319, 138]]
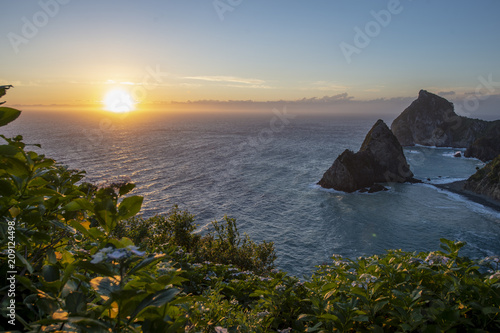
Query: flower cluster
[[364, 280], [280, 288], [113, 254], [416, 261], [434, 258]]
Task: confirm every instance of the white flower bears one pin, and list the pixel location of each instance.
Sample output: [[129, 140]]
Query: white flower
[[495, 276], [135, 250], [436, 258], [110, 253], [97, 258], [285, 330], [368, 278], [263, 313], [119, 254], [220, 329], [280, 287], [416, 261]]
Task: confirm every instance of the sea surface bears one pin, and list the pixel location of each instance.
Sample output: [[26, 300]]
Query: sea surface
[[262, 170]]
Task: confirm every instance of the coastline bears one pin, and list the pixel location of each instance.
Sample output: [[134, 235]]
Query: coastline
[[458, 188]]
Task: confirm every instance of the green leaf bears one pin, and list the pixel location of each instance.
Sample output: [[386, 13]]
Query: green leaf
[[8, 115], [7, 188], [76, 302], [157, 299], [50, 273], [379, 305], [490, 310], [96, 268], [3, 89], [314, 328], [105, 285], [129, 207], [147, 261], [14, 166], [78, 204], [8, 150], [361, 318], [25, 262], [79, 227], [84, 321], [126, 188], [329, 317], [44, 164]]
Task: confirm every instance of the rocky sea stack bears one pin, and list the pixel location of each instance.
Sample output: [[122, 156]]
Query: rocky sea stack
[[430, 120], [379, 160]]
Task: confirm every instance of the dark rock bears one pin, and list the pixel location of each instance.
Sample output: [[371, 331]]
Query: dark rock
[[430, 120], [486, 181], [379, 160], [484, 148], [377, 188], [457, 154]]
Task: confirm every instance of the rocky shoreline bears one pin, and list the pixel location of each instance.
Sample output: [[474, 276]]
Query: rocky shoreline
[[458, 188]]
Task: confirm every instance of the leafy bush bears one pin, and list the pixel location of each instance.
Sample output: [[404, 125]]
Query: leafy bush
[[222, 245]]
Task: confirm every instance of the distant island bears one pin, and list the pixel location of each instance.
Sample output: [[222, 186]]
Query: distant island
[[430, 120]]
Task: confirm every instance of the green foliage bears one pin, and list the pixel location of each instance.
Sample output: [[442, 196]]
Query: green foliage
[[225, 245], [489, 173], [401, 291], [222, 245]]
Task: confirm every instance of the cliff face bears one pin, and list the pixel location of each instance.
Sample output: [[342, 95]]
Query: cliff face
[[430, 120], [486, 181], [379, 160]]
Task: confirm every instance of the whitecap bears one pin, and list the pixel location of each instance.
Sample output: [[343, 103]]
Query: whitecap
[[445, 180]]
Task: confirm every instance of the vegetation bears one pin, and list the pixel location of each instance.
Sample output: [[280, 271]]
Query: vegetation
[[490, 172], [84, 262]]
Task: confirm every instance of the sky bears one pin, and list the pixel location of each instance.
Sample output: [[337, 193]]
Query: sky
[[326, 52]]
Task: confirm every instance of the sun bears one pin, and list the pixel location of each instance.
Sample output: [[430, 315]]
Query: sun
[[119, 101]]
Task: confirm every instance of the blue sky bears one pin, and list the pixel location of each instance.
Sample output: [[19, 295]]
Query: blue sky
[[260, 50]]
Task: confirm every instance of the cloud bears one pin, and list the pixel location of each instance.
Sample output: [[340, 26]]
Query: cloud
[[446, 93], [325, 99], [229, 79]]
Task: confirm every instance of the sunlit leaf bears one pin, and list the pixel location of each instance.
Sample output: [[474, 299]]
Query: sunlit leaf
[[8, 115], [129, 207], [106, 285]]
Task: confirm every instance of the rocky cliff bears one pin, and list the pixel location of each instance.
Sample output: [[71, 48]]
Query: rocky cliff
[[486, 181], [379, 160], [430, 120]]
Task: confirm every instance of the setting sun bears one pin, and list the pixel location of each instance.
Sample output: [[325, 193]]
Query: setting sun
[[118, 101]]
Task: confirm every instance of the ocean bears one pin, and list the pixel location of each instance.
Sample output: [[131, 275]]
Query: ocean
[[262, 170]]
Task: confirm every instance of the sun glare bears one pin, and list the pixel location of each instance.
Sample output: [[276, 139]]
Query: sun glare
[[118, 101]]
